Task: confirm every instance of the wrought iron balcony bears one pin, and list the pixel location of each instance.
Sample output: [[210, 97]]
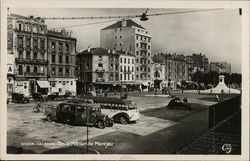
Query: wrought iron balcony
[[31, 61], [100, 70]]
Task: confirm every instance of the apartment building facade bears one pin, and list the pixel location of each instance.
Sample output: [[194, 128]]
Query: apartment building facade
[[27, 55], [62, 64], [126, 35]]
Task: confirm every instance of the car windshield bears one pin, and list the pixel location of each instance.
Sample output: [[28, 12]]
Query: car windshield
[[132, 106]]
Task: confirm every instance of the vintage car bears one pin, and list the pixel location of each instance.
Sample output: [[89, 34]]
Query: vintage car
[[19, 98], [78, 114], [177, 103]]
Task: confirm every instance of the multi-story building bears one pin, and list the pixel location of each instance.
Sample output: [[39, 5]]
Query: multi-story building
[[175, 69], [200, 63], [106, 69], [27, 55], [190, 66], [62, 63], [220, 67], [126, 35]]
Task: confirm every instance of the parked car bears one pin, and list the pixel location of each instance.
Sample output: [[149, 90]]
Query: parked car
[[177, 103], [39, 97], [19, 98], [78, 114]]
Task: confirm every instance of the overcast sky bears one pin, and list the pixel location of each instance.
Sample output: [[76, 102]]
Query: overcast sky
[[217, 34]]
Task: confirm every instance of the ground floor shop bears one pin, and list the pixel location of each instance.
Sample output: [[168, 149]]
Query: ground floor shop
[[63, 85], [28, 86]]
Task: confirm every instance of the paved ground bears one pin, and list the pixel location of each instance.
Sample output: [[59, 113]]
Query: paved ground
[[159, 130]]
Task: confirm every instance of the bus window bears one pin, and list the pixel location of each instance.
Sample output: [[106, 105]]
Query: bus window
[[80, 109]]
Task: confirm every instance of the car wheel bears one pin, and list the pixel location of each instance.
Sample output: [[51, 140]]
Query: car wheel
[[49, 118], [123, 120], [101, 124]]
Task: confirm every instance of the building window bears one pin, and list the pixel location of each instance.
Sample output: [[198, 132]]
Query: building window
[[35, 56], [121, 60], [128, 61], [19, 26], [137, 37], [53, 71], [111, 76], [115, 37], [53, 45], [42, 70], [125, 60], [42, 55], [132, 76], [137, 76], [27, 42], [67, 72], [137, 69], [120, 29], [128, 68], [148, 39], [42, 43], [10, 69], [137, 44], [115, 30], [67, 47], [116, 67], [141, 37], [60, 46], [137, 53], [20, 41], [20, 55], [124, 76], [132, 69], [137, 60], [148, 46], [124, 68], [53, 58], [100, 58], [60, 58], [132, 61], [28, 69], [20, 70], [100, 65], [67, 59], [60, 71], [148, 54], [149, 69], [35, 43], [111, 66], [120, 37], [35, 69], [120, 44], [71, 82], [120, 68], [121, 76]]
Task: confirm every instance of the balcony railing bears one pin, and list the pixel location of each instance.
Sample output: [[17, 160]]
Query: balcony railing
[[31, 61], [100, 70], [27, 74]]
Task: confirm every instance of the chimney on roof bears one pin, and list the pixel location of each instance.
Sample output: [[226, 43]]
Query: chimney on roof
[[88, 49], [124, 23]]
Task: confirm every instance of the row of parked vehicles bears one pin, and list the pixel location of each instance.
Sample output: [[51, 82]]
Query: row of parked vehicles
[[95, 111], [53, 96]]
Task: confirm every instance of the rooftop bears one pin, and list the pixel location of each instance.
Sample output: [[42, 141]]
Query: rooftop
[[118, 24]]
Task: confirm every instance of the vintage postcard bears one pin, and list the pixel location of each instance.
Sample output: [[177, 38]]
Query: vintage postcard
[[124, 80]]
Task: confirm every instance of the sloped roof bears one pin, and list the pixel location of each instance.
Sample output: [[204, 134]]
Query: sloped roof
[[118, 24]]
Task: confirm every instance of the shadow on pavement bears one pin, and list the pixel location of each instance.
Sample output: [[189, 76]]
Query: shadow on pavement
[[173, 114]]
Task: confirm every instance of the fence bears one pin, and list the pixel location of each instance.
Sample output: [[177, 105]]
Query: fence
[[220, 111]]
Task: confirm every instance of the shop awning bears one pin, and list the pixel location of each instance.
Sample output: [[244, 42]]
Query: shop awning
[[145, 83], [43, 84]]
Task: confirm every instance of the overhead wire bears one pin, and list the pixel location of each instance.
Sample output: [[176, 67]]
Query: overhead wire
[[120, 17]]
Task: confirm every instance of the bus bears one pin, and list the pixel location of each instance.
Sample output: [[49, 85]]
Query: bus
[[121, 110]]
